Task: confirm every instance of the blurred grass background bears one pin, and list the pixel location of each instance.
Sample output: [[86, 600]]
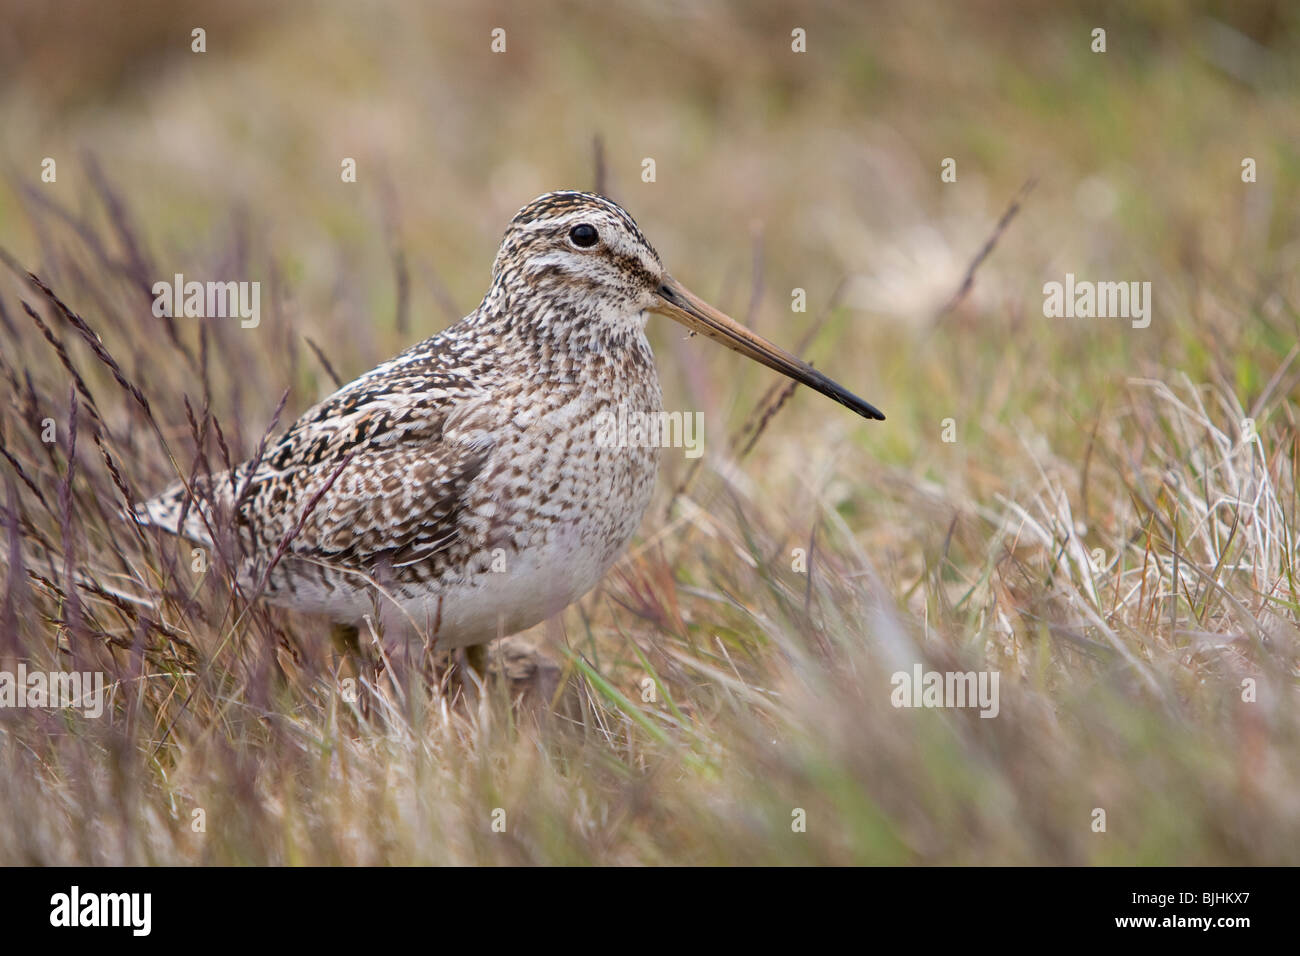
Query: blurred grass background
[[775, 170]]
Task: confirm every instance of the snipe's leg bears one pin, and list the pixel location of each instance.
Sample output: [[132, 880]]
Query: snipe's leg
[[346, 639], [476, 656]]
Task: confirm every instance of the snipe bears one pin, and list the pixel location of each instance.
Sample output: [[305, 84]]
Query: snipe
[[464, 479]]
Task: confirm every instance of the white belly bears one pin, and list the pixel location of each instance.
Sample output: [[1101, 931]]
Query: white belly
[[532, 586]]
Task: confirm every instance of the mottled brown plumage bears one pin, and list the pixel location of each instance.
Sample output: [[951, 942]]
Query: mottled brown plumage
[[464, 479]]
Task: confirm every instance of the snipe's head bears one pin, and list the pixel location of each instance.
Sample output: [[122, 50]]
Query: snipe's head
[[580, 256]]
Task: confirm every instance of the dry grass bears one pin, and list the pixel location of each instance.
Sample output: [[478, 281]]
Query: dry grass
[[1105, 531]]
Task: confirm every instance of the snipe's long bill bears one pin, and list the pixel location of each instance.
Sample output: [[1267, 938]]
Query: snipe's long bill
[[464, 488], [693, 312]]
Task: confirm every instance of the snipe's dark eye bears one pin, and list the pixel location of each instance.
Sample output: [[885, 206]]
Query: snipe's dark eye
[[584, 236]]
